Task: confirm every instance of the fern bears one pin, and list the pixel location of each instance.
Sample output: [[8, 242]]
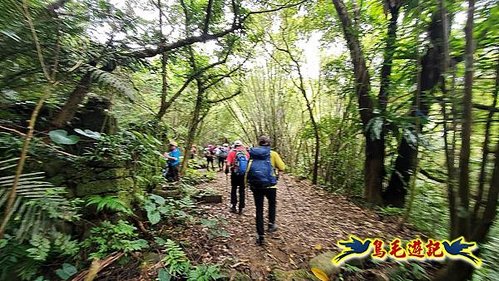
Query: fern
[[108, 79], [176, 261], [15, 262], [37, 203], [110, 237], [177, 264], [205, 273], [111, 203]]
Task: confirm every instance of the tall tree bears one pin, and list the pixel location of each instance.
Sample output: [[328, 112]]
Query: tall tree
[[300, 85], [375, 145], [164, 62], [431, 72], [473, 225]]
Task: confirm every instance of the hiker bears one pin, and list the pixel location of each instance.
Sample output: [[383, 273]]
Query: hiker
[[217, 150], [209, 154], [237, 161], [262, 175], [194, 150], [173, 161], [222, 154]]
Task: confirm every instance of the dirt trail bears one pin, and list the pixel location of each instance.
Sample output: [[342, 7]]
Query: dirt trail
[[310, 221]]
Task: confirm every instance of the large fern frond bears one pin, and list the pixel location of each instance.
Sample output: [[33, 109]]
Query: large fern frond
[[38, 202], [110, 203], [111, 80]]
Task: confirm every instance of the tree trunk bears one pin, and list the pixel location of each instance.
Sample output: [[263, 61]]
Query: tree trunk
[[450, 145], [483, 225], [164, 60], [373, 165], [69, 109], [485, 148], [455, 271], [197, 110], [377, 147], [386, 69], [164, 88], [463, 222], [193, 127], [458, 270], [407, 153], [374, 170], [315, 169]]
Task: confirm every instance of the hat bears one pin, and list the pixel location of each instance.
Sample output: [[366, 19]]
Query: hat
[[226, 144], [173, 143], [238, 143]]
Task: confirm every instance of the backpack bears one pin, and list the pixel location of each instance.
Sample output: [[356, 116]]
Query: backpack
[[261, 172], [241, 163], [208, 153], [223, 152]]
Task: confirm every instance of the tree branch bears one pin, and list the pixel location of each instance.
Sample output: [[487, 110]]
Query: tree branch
[[225, 98], [209, 9], [427, 174], [190, 79], [485, 107], [289, 5], [162, 47]]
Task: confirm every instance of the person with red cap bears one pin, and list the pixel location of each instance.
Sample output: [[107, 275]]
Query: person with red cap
[[237, 161]]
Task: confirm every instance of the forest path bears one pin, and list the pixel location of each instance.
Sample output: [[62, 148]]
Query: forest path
[[310, 221]]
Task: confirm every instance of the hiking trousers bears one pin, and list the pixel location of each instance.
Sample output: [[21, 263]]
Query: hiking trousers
[[173, 173], [259, 194], [208, 161], [221, 161], [237, 182]]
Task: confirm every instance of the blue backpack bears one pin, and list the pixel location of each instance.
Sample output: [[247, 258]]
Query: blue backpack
[[261, 172], [241, 163]]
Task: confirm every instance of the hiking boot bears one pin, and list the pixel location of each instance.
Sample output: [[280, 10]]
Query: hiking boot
[[240, 211], [233, 210], [259, 240], [272, 227]]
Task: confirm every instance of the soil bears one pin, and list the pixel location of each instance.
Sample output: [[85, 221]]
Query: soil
[[310, 221]]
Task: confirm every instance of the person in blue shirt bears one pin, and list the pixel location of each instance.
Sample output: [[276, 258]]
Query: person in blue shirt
[[172, 161]]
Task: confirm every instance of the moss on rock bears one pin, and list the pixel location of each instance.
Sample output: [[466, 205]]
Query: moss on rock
[[104, 186]]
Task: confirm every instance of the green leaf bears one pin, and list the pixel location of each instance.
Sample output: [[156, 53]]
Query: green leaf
[[158, 199], [154, 217], [61, 137], [111, 203], [3, 243], [165, 210], [88, 133], [164, 275], [159, 240], [11, 35], [66, 271]]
